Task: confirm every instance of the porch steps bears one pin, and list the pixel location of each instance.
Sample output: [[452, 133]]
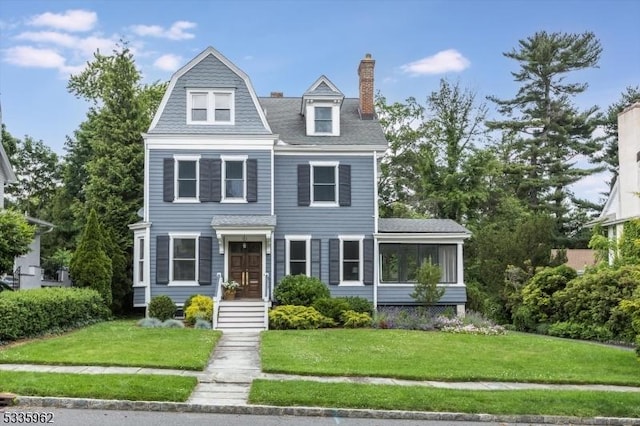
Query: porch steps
[[242, 316]]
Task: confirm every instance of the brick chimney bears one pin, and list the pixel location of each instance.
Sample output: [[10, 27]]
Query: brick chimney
[[365, 74], [277, 94]]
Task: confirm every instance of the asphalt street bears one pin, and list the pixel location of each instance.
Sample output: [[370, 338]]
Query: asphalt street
[[69, 417]]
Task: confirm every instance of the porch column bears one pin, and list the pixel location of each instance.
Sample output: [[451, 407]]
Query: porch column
[[460, 264]]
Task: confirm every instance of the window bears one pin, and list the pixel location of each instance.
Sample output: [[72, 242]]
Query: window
[[140, 260], [184, 257], [323, 122], [210, 107], [324, 178], [400, 262], [187, 179], [351, 259], [234, 178], [298, 255]]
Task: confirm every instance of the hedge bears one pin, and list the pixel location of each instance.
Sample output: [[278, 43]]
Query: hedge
[[30, 313]]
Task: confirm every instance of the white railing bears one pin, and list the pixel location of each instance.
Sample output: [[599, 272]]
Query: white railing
[[266, 297], [216, 302]]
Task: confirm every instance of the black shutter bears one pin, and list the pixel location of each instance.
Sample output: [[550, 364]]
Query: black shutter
[[304, 184], [252, 180], [204, 260], [316, 258], [168, 180], [280, 260], [368, 260], [334, 261], [216, 180], [344, 174], [162, 259], [206, 166]]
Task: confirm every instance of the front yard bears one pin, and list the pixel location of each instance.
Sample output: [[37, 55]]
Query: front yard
[[118, 343], [418, 355]]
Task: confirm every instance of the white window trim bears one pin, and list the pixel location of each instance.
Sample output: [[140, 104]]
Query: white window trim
[[176, 198], [224, 198], [307, 240], [311, 117], [335, 165], [360, 239], [211, 94], [136, 256], [172, 236]]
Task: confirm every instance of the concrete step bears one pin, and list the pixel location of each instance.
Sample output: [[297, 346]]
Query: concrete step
[[234, 320], [229, 314]]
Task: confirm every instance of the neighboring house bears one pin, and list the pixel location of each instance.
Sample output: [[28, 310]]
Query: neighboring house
[[27, 272], [623, 203], [252, 189], [578, 259]]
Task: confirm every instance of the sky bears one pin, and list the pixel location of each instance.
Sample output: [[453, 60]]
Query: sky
[[286, 45]]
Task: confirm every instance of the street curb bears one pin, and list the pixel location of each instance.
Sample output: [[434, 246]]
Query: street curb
[[104, 404]]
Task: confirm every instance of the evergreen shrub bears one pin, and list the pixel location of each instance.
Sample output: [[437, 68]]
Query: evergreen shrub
[[201, 307], [332, 307], [353, 319], [288, 317], [162, 307], [300, 290]]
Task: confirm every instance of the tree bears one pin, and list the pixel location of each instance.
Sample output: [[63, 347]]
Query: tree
[[90, 266], [108, 152], [435, 165], [426, 291], [547, 131], [610, 153], [17, 235], [37, 170]]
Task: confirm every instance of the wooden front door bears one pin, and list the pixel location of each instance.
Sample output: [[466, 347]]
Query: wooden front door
[[245, 267]]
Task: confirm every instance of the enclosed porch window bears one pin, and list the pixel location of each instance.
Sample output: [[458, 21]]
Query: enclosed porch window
[[399, 263]]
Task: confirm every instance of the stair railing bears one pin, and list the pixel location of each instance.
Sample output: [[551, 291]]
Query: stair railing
[[216, 302], [16, 278]]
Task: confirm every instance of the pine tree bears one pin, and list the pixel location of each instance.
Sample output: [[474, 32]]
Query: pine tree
[[90, 265], [547, 130]]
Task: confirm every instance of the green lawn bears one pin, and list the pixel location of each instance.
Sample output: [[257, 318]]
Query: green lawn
[[119, 343], [444, 356], [132, 387], [417, 398]]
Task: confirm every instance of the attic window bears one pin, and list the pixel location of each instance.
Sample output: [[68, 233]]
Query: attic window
[[210, 107], [323, 120]]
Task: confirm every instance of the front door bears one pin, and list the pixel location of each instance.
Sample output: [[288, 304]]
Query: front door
[[245, 267]]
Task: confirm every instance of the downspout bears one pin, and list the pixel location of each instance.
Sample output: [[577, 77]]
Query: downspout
[[376, 259]]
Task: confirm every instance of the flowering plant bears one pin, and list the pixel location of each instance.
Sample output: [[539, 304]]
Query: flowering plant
[[230, 285]]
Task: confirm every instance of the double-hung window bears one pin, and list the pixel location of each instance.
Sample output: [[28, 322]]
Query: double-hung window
[[324, 179], [234, 170], [210, 107], [323, 120], [140, 260], [184, 259], [351, 259], [298, 255], [186, 175]]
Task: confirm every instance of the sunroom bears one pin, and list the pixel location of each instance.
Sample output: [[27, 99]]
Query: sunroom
[[402, 245]]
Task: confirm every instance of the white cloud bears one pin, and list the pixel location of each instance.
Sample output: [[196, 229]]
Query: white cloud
[[168, 62], [53, 37], [442, 62], [177, 31], [27, 56], [71, 20]]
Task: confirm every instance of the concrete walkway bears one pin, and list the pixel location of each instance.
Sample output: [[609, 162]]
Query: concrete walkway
[[235, 363]]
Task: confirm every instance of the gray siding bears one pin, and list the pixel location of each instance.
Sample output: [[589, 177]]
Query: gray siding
[[324, 223], [138, 296], [166, 217], [210, 73], [401, 295]]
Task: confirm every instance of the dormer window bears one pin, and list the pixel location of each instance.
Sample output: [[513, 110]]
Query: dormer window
[[323, 120], [210, 107]]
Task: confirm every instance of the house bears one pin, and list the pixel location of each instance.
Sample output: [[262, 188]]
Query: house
[[247, 188], [578, 259], [27, 272], [623, 203]]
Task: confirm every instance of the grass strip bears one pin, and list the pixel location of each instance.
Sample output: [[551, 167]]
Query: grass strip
[[418, 398], [131, 387], [118, 343], [419, 355]]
